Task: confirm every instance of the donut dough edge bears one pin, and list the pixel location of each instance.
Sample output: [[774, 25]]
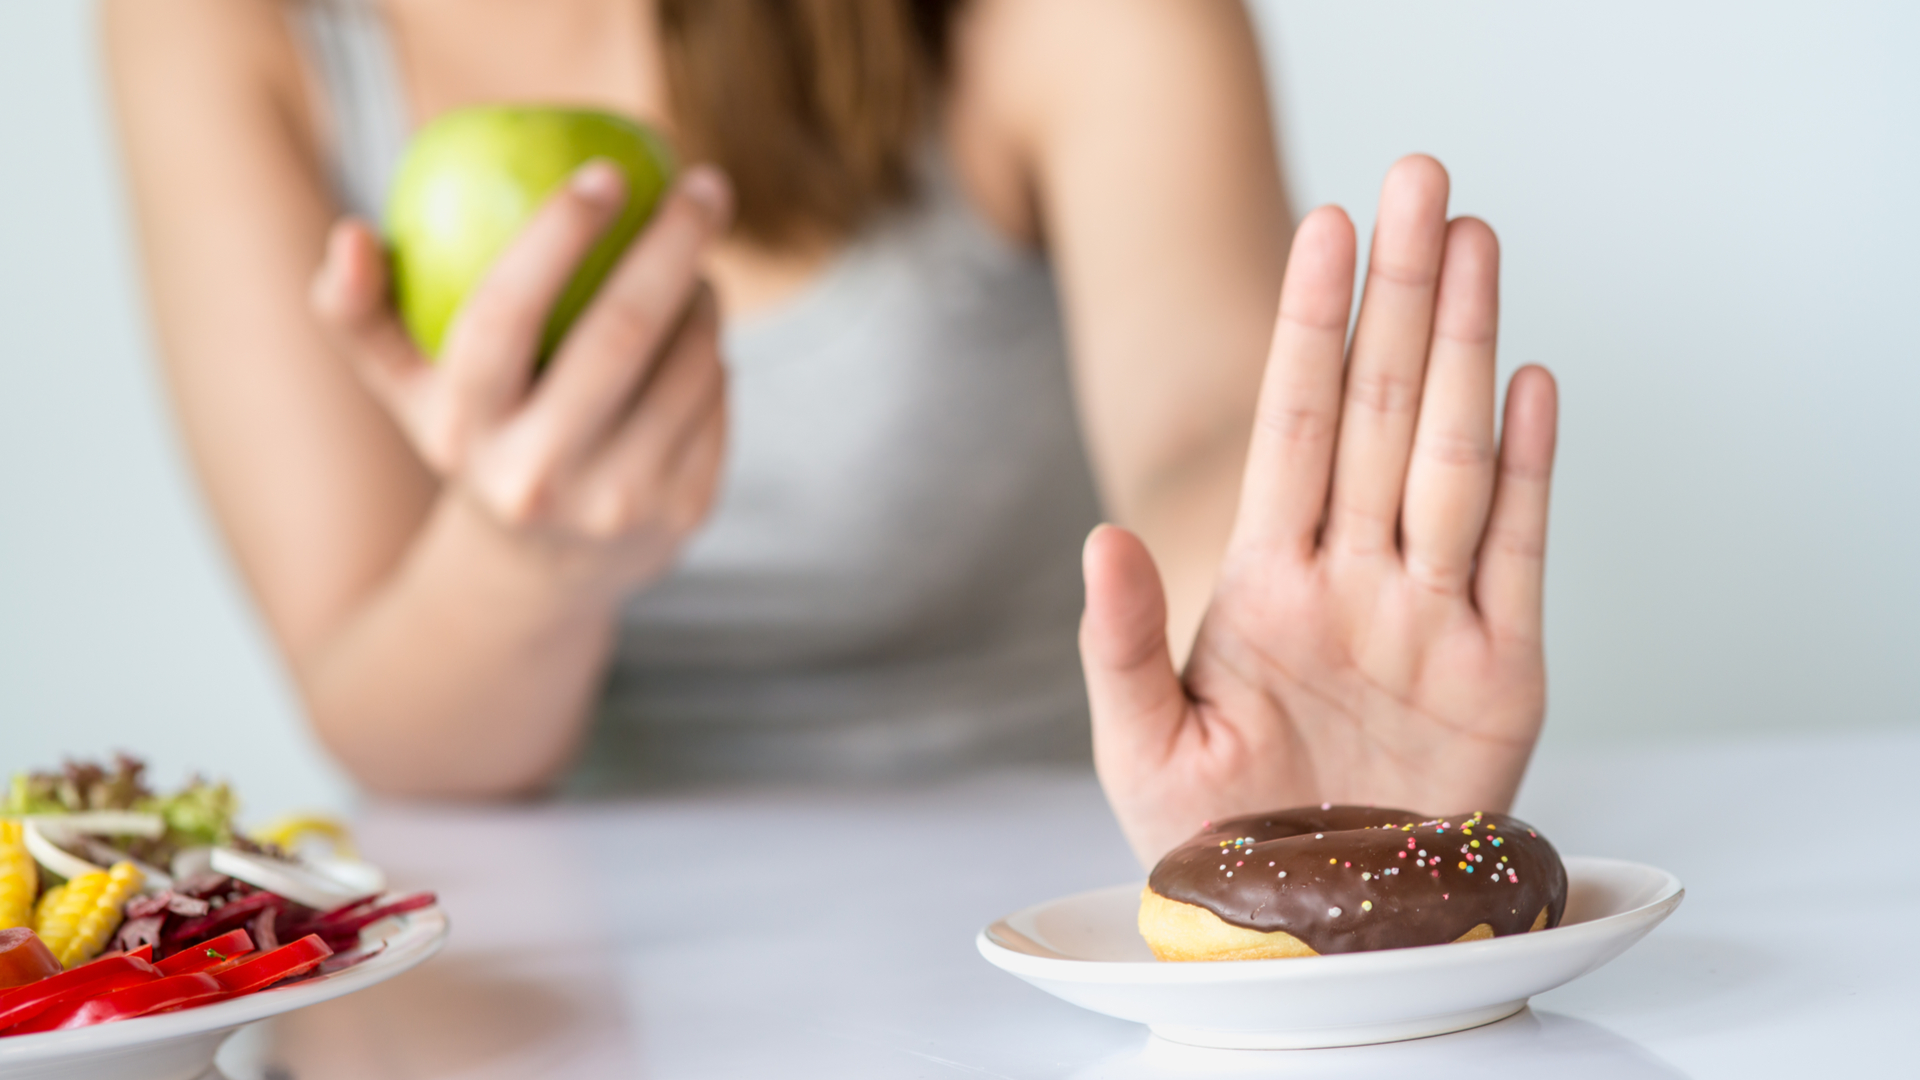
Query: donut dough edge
[[1179, 931]]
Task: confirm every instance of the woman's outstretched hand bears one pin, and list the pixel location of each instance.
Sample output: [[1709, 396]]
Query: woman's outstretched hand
[[1375, 633], [600, 468]]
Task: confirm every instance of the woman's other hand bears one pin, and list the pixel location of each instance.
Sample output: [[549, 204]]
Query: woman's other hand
[[597, 468], [1375, 633]]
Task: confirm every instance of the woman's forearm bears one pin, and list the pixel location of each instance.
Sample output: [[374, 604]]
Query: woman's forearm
[[469, 672], [1185, 520]]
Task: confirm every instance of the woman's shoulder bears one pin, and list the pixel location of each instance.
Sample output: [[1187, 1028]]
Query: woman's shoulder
[[1028, 74], [213, 56]]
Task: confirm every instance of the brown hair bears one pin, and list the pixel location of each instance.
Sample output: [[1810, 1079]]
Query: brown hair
[[814, 108]]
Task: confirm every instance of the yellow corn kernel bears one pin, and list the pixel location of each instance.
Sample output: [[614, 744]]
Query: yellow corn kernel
[[50, 901], [76, 923], [19, 878]]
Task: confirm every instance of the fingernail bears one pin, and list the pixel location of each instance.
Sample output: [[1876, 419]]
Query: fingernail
[[598, 181], [709, 189]]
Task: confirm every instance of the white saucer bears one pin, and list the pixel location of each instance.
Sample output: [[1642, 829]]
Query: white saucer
[[181, 1045], [1086, 949]]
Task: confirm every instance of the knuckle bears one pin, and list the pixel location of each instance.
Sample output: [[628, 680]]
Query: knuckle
[[616, 511], [626, 322], [1386, 393], [1448, 448], [1440, 579], [522, 498], [1516, 544], [1411, 275], [441, 437], [1297, 424]]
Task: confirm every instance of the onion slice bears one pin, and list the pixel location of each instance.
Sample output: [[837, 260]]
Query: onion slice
[[298, 883], [50, 855], [47, 839], [107, 823]]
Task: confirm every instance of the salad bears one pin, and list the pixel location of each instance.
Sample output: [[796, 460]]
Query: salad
[[117, 901]]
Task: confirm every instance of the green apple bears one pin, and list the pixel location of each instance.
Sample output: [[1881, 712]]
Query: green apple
[[472, 179]]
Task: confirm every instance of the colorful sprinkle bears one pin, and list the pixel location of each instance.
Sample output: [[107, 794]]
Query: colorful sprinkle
[[1333, 913], [1366, 905]]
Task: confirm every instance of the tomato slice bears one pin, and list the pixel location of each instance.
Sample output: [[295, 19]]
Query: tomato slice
[[85, 981], [284, 962], [153, 995], [207, 954], [24, 958]]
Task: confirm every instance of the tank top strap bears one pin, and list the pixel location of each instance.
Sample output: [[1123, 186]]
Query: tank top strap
[[351, 54]]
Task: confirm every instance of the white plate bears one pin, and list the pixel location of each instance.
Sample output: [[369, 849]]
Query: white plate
[[181, 1045], [1087, 949]]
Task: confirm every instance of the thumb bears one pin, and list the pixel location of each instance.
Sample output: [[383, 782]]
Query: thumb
[[349, 297], [1137, 699]]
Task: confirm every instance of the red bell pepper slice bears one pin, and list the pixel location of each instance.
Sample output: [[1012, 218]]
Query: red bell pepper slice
[[210, 953], [153, 995], [288, 960], [85, 981], [144, 952]]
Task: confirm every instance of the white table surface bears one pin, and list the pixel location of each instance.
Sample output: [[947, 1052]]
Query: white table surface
[[830, 933]]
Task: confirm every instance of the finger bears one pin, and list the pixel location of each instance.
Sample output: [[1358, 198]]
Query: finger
[[1388, 358], [695, 480], [1513, 555], [637, 464], [349, 299], [1291, 454], [488, 357], [1137, 699], [614, 345], [1450, 477]]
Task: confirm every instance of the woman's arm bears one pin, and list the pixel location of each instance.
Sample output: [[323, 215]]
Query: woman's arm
[[1374, 636], [442, 587], [1145, 148]]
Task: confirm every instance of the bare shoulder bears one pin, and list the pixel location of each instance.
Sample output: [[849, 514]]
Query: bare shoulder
[[1066, 46], [1030, 75], [173, 58]]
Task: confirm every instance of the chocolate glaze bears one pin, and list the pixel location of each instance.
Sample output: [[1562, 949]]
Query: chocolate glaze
[[1287, 870]]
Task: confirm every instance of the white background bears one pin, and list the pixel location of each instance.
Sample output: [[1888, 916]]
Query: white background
[[1708, 214]]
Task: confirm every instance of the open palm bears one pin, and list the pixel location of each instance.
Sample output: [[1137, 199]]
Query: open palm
[[1375, 633]]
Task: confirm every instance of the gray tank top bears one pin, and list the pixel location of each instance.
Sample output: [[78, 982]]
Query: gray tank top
[[889, 584]]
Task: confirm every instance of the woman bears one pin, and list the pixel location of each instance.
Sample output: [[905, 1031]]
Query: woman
[[859, 557]]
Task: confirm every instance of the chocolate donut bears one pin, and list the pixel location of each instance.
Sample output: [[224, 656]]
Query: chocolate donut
[[1337, 879]]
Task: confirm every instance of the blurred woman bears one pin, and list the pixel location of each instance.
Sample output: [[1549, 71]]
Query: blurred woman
[[804, 491]]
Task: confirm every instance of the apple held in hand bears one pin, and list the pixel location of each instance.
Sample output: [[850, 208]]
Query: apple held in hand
[[472, 179]]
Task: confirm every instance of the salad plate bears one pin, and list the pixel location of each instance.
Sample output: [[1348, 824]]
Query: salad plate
[[1087, 949], [181, 1045]]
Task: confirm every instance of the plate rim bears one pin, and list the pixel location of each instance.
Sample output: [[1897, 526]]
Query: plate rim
[[426, 930], [1667, 896]]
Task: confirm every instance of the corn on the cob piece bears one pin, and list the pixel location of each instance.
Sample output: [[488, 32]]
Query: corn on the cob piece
[[75, 919], [19, 878]]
